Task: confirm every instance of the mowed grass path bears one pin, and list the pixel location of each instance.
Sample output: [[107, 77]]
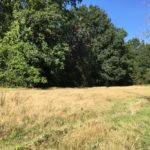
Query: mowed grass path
[[100, 118]]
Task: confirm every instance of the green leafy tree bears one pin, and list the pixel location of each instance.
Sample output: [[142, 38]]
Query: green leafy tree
[[15, 67], [56, 43], [98, 55], [144, 64], [139, 53], [6, 16], [36, 38], [115, 60], [134, 46], [44, 26]]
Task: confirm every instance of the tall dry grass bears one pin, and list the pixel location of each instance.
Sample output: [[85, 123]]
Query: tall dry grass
[[67, 118]]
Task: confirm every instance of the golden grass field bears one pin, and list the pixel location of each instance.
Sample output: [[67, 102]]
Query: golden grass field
[[99, 118]]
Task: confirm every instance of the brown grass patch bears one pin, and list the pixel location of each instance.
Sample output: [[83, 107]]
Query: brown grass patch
[[37, 112]]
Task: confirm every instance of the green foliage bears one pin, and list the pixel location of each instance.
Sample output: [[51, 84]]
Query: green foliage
[[6, 10], [15, 67], [43, 43], [98, 55], [139, 55]]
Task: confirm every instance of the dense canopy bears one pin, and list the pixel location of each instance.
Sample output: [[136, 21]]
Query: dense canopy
[[55, 43]]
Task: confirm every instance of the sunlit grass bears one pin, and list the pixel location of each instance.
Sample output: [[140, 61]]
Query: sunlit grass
[[115, 118]]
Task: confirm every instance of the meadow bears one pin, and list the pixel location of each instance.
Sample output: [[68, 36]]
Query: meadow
[[98, 118]]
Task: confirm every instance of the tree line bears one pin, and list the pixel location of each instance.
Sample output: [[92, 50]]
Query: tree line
[[55, 43]]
